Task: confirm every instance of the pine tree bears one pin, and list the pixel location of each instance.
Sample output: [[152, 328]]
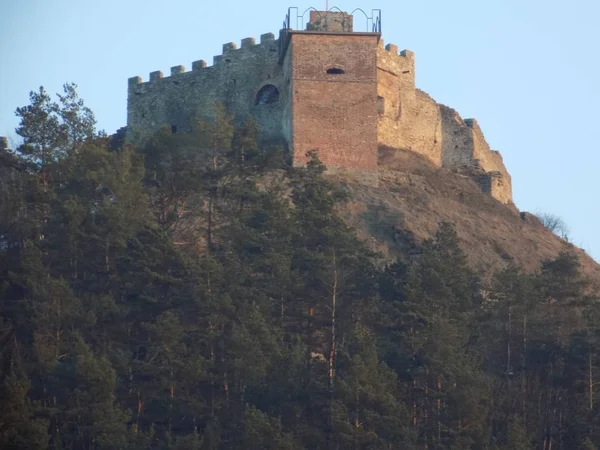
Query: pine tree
[[21, 428], [52, 130], [517, 438]]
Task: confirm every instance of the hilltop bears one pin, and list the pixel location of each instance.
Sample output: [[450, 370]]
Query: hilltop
[[414, 196]]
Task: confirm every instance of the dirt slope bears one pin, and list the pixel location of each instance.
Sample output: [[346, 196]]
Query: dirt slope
[[413, 197]]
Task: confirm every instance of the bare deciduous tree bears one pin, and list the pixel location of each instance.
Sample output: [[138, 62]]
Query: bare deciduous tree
[[554, 223]]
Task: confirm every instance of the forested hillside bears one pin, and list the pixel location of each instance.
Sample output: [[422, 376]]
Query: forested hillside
[[192, 294]]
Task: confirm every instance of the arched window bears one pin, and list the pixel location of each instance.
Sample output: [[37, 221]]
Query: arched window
[[267, 94], [335, 71]]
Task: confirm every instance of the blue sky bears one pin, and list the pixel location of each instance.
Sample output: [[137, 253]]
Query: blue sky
[[528, 70]]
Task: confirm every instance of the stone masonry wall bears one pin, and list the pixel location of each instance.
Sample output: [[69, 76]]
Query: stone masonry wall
[[457, 141], [234, 80], [491, 162], [410, 119], [335, 113]]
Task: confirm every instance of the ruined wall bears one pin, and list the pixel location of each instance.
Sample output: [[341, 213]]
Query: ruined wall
[[234, 80], [457, 141], [335, 113], [491, 162], [495, 184], [410, 119], [464, 147]]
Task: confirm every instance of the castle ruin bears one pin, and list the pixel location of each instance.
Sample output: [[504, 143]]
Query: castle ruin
[[326, 88]]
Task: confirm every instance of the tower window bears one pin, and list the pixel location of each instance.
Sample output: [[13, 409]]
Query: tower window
[[381, 105], [335, 71], [173, 129], [267, 94]]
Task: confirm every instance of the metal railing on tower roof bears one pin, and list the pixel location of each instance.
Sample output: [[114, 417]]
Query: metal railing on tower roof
[[294, 20]]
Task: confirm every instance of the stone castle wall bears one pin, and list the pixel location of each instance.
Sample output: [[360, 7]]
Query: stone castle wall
[[234, 80]]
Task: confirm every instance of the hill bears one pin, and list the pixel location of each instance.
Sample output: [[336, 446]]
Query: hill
[[196, 293], [414, 196]]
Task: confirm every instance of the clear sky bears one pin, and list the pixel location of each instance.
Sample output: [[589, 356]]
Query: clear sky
[[528, 70]]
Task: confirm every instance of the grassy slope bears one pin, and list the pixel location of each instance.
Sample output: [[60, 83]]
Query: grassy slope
[[413, 197]]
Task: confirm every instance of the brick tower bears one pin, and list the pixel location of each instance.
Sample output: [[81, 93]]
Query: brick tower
[[330, 73]]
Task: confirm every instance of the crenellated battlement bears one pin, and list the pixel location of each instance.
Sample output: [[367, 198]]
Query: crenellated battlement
[[398, 64], [134, 81], [393, 50], [230, 51], [176, 98]]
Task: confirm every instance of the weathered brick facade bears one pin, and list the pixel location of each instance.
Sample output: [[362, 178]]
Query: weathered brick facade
[[328, 89], [334, 101]]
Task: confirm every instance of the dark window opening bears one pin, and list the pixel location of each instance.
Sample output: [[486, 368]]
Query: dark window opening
[[380, 105], [173, 129], [267, 94], [335, 71]]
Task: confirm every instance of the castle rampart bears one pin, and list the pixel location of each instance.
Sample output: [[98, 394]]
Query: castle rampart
[[234, 79], [326, 88]]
